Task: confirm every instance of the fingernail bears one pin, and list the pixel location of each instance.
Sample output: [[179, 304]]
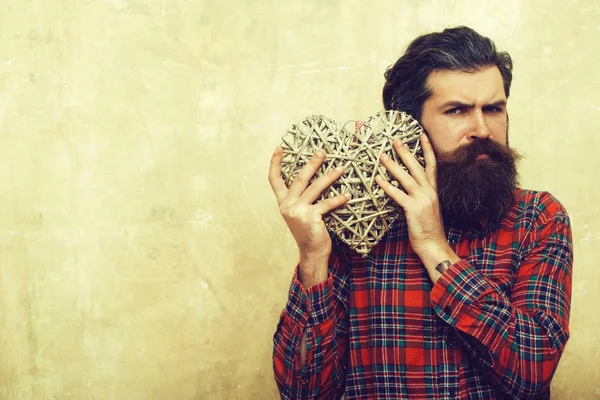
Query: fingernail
[[338, 169], [384, 156], [347, 195]]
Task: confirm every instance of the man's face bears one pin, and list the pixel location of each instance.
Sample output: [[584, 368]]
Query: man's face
[[464, 107], [466, 120]]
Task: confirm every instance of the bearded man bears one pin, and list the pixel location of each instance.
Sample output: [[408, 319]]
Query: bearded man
[[466, 297]]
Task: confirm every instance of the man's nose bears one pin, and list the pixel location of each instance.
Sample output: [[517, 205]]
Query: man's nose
[[479, 128]]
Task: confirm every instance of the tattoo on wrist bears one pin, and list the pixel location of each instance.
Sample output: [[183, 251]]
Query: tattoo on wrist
[[443, 266]]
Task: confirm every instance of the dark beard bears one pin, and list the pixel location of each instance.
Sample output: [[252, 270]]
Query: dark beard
[[476, 192]]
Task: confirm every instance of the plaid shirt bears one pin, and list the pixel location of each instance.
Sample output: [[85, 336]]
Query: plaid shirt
[[493, 326]]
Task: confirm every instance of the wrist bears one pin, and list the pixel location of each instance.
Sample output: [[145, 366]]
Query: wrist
[[313, 269], [313, 258], [435, 255], [312, 278]]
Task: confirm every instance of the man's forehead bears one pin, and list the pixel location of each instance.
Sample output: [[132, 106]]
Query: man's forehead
[[481, 86]]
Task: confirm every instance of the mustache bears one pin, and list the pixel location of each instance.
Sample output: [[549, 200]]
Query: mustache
[[472, 191], [468, 153]]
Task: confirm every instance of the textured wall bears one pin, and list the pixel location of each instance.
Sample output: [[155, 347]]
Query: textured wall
[[142, 255]]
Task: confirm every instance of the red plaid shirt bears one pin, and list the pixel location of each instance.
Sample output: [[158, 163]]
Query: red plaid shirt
[[493, 326]]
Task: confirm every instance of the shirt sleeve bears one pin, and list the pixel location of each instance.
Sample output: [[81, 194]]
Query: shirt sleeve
[[518, 336], [321, 311]]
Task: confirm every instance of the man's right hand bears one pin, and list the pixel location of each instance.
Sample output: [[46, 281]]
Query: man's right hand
[[303, 218]]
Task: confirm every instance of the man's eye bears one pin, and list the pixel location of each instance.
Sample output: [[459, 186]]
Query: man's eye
[[494, 109], [453, 111]]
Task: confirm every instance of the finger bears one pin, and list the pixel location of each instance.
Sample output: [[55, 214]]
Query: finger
[[430, 160], [306, 173], [313, 192], [396, 194], [405, 179], [325, 206], [411, 163], [277, 183]]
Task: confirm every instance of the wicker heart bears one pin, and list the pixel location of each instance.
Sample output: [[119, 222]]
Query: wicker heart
[[370, 212]]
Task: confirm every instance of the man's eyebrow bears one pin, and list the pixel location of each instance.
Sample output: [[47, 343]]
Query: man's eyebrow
[[499, 103], [456, 103]]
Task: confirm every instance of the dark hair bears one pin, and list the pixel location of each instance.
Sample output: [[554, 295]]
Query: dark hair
[[454, 49]]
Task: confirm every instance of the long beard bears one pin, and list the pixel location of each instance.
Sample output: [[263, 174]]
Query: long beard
[[473, 192]]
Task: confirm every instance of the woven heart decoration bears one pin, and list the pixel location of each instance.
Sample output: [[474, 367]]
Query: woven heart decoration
[[370, 212]]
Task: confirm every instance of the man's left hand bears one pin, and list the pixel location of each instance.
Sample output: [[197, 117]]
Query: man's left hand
[[420, 202]]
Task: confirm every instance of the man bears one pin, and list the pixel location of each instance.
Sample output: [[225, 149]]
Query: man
[[467, 297]]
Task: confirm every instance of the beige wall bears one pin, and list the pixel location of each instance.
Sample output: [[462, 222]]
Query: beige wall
[[142, 255]]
